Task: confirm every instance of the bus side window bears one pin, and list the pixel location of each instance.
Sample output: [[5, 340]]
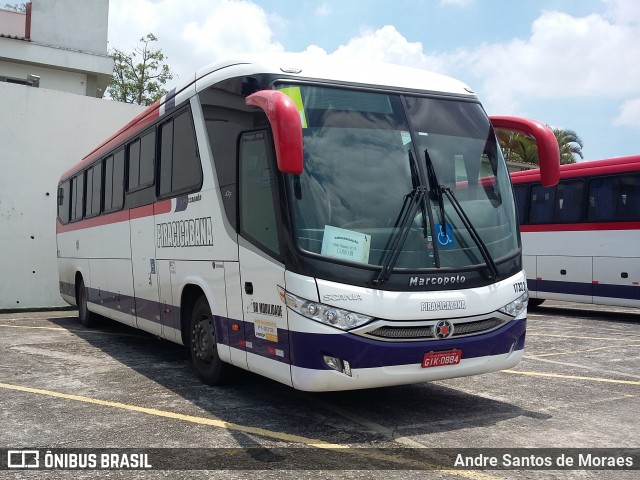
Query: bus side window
[[64, 196], [602, 201], [89, 192], [628, 199], [77, 196], [141, 161], [542, 203], [569, 201], [257, 182], [521, 194], [118, 180], [108, 183], [180, 169]]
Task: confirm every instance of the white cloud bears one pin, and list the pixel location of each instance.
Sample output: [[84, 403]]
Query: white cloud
[[193, 33], [564, 57], [629, 114], [623, 11], [385, 44]]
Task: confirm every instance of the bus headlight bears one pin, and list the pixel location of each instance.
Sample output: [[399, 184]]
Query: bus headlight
[[335, 317], [516, 307]]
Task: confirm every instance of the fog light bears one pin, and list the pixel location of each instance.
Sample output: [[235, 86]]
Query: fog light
[[333, 363], [337, 364]]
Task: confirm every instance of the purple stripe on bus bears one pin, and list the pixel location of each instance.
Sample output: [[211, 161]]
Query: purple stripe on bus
[[625, 292]]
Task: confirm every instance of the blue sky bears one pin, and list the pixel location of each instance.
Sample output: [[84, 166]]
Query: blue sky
[[569, 63]]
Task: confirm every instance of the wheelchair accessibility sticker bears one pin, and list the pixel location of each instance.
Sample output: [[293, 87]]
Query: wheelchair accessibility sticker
[[444, 235]]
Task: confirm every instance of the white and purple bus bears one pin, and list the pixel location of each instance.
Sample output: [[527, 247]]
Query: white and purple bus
[[331, 226], [581, 238]]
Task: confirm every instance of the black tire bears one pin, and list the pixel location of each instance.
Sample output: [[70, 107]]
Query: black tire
[[87, 318], [535, 302], [202, 345]]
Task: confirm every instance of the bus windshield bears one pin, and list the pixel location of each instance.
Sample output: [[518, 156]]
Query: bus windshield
[[359, 171]]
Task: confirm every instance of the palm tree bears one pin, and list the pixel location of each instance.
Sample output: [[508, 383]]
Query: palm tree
[[517, 147], [522, 148], [570, 145]]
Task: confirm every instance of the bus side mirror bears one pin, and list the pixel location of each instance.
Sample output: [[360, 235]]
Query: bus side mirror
[[548, 151], [285, 123]]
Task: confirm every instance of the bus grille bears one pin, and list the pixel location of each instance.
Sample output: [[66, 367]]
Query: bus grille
[[428, 333]]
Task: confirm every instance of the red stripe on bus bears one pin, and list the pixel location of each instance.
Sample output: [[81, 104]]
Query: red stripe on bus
[[580, 227], [164, 206]]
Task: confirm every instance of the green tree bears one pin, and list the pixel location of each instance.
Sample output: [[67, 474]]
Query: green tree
[[570, 145], [139, 77], [517, 147], [522, 148]]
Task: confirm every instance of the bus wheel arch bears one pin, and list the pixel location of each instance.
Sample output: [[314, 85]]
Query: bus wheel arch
[[197, 325]]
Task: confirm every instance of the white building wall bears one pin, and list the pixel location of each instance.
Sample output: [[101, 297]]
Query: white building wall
[[63, 81], [73, 24], [42, 134]]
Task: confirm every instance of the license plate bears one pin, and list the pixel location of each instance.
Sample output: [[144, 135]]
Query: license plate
[[440, 359]]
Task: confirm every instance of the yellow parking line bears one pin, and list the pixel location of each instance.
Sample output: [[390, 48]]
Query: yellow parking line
[[573, 377], [35, 328], [74, 330], [250, 430]]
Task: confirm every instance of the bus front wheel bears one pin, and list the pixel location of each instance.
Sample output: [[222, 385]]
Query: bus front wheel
[[202, 345]]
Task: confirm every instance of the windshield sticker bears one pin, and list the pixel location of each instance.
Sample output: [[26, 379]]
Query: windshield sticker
[[445, 235], [346, 244], [266, 330], [406, 138], [294, 94]]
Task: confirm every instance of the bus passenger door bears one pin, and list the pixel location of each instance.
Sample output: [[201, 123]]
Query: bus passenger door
[[143, 264], [261, 273]]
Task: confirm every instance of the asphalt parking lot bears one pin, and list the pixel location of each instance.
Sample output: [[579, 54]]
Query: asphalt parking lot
[[63, 386]]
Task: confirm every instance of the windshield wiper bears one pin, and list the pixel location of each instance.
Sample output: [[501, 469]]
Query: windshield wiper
[[412, 201], [434, 186], [437, 191]]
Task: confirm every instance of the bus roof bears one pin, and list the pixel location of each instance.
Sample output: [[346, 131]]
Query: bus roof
[[321, 67], [583, 169], [288, 65]]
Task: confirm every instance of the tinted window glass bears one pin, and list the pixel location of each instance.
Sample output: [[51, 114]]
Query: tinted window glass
[[569, 201], [96, 199], [88, 196], [108, 183], [77, 197], [147, 155], [186, 168], [63, 201], [179, 162], [257, 182], [614, 198], [628, 198], [542, 204], [166, 157], [602, 199], [134, 165], [118, 179], [521, 193]]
